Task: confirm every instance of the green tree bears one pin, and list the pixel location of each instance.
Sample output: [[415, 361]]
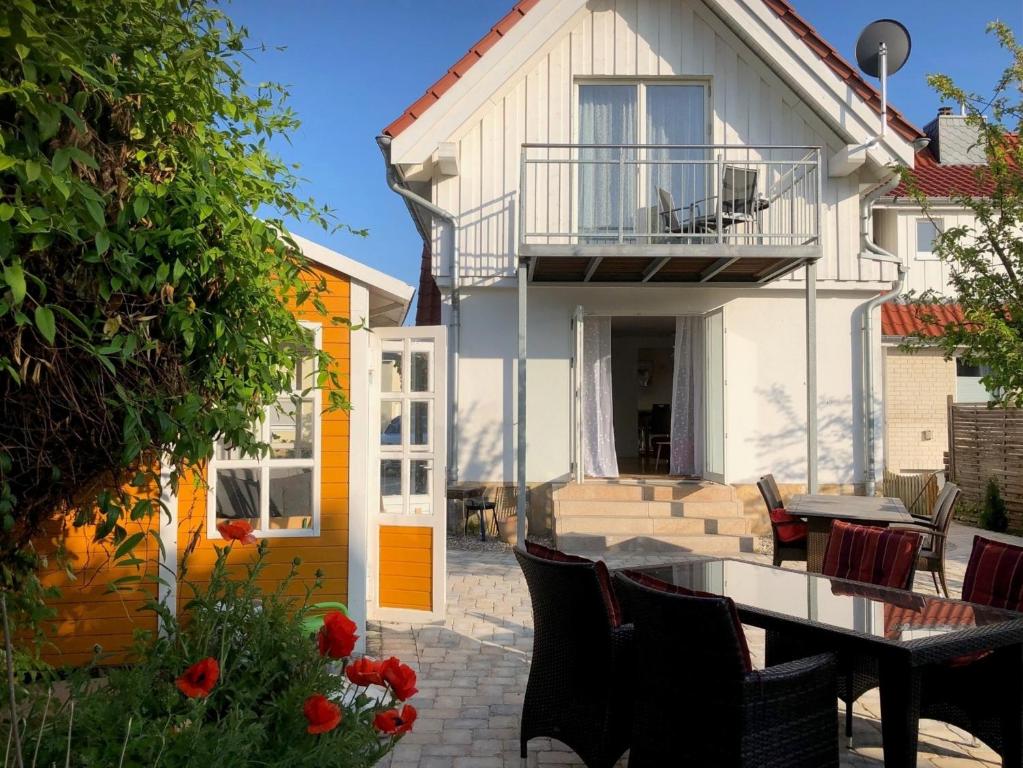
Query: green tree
[[143, 303], [985, 258]]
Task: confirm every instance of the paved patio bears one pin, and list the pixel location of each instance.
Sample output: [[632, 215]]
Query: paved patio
[[473, 670]]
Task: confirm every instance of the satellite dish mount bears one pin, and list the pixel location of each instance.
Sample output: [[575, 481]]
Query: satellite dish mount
[[881, 50]]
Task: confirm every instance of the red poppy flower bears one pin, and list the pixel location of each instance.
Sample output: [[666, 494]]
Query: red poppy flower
[[236, 530], [321, 713], [365, 671], [337, 636], [401, 678], [199, 679], [392, 722]]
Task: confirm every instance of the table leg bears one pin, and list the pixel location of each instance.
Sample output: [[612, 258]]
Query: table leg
[[1010, 664], [818, 531], [900, 713]]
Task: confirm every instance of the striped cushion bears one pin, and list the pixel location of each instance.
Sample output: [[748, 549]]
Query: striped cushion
[[614, 611], [994, 575], [674, 589], [882, 556], [789, 529]]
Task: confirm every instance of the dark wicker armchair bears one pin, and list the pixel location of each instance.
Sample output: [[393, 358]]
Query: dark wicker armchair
[[580, 689], [699, 704], [971, 692]]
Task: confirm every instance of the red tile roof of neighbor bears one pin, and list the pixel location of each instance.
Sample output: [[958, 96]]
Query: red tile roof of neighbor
[[781, 8], [940, 181], [906, 319]]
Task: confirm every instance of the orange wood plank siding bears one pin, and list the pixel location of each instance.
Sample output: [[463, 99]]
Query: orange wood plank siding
[[89, 615], [406, 567], [327, 552]]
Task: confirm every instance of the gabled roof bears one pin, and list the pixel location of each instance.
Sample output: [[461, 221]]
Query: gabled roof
[[389, 297], [781, 8], [901, 320]]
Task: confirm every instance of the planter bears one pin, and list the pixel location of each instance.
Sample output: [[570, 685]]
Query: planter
[[507, 529]]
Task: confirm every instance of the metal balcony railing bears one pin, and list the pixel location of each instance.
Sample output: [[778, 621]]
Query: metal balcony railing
[[647, 194]]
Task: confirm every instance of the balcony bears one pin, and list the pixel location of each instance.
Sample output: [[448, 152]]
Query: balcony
[[668, 213]]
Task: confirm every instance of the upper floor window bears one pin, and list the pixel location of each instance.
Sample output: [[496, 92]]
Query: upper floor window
[[277, 493], [927, 233]]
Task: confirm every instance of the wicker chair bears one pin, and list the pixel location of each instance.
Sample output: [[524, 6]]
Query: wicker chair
[[935, 531], [580, 690], [788, 543], [699, 704], [968, 692], [885, 557]]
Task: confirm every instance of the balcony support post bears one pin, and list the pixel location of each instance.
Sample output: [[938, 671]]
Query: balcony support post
[[520, 397], [811, 377]]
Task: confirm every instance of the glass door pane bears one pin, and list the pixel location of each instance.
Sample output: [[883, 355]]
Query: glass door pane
[[607, 198], [677, 178], [714, 396]]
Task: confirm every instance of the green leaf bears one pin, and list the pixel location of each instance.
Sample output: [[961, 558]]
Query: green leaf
[[46, 323], [14, 275], [128, 545], [140, 206], [32, 169], [6, 161], [61, 160], [102, 242], [6, 211], [95, 211]]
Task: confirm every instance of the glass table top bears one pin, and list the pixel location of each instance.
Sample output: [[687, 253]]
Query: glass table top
[[880, 612]]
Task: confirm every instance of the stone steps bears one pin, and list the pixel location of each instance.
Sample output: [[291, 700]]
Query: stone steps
[[650, 517]]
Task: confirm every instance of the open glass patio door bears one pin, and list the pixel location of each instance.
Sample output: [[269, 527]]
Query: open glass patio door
[[408, 528], [714, 396], [578, 470]]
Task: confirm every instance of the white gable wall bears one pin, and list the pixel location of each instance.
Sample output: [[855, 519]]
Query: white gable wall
[[632, 38]]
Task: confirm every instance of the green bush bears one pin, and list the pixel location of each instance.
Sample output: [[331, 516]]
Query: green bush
[[253, 715], [993, 516]]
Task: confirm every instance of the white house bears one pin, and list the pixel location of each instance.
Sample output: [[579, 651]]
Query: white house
[[647, 221]]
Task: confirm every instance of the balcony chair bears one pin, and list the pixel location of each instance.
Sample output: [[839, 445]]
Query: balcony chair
[[698, 700], [739, 200], [580, 688], [884, 557], [788, 532], [935, 531], [971, 692]]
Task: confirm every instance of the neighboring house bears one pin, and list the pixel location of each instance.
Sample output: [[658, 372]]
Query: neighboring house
[[636, 180], [315, 497], [917, 384]]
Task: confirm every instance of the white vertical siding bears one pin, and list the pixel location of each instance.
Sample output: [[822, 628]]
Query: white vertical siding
[[895, 231], [630, 38]]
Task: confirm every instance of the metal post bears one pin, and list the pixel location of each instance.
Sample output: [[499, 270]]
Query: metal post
[[520, 464], [811, 377], [621, 195], [882, 54], [721, 198]]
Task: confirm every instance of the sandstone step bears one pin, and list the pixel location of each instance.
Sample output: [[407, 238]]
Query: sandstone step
[[581, 543], [646, 526], [617, 508], [626, 490]]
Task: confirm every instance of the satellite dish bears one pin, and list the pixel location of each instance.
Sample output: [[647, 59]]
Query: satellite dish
[[888, 33]]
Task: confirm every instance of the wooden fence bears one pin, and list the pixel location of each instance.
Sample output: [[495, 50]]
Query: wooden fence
[[987, 443]]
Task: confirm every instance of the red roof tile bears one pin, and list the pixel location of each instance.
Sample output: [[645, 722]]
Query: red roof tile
[[906, 319], [937, 180], [781, 8]]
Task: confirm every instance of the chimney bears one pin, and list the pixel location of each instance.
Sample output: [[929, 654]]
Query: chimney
[[953, 139]]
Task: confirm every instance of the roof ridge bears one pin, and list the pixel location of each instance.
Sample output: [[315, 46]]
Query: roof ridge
[[783, 9]]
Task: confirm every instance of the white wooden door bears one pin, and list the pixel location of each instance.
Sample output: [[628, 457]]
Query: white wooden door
[[714, 383], [408, 534]]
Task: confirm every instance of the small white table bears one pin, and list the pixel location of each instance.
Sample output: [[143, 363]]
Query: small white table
[[820, 510]]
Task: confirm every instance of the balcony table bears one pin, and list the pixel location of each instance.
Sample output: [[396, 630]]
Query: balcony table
[[820, 510], [902, 631]]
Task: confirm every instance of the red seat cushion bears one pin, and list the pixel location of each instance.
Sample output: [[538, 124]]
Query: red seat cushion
[[994, 575], [673, 589], [789, 529], [614, 611], [882, 556]]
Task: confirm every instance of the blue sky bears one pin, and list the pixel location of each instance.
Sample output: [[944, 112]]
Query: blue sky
[[352, 66]]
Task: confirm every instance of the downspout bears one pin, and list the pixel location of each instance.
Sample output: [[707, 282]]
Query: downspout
[[873, 251], [417, 202]]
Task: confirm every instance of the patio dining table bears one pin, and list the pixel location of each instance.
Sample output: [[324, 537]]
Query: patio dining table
[[820, 510], [902, 631]]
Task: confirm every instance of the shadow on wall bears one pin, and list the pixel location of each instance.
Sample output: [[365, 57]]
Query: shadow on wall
[[487, 237]]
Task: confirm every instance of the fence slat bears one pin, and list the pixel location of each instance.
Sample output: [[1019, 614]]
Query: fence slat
[[987, 443]]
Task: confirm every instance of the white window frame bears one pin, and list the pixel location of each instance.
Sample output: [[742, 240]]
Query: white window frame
[[264, 464], [938, 224]]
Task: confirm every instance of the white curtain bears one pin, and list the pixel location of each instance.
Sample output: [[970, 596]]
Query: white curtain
[[675, 114], [687, 398], [599, 459], [607, 115]]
